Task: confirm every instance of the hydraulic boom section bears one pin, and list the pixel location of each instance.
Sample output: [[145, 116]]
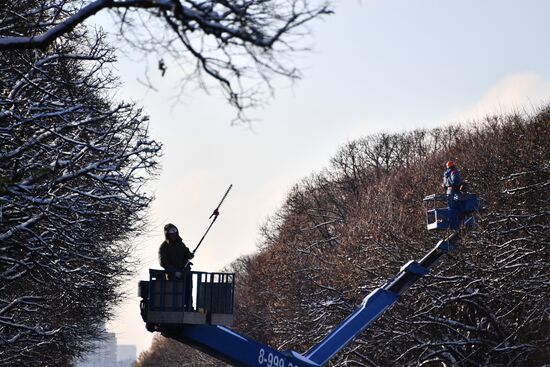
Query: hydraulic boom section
[[376, 303], [202, 320]]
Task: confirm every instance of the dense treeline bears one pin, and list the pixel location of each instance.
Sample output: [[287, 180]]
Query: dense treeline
[[72, 168], [345, 231]]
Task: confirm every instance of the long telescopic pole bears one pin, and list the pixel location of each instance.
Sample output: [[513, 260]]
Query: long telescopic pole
[[214, 214]]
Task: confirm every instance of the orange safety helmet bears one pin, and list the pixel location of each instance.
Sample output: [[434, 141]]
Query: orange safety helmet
[[450, 164]]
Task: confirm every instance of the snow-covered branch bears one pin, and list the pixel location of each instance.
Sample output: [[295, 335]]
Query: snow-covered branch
[[236, 44]]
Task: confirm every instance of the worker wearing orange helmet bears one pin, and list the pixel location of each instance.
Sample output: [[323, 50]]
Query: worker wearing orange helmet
[[453, 186], [451, 179]]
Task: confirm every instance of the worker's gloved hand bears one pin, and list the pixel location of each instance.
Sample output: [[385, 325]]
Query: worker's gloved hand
[[191, 255], [178, 274]]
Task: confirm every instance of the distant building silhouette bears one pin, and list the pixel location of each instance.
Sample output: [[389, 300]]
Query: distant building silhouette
[[126, 355], [106, 353]]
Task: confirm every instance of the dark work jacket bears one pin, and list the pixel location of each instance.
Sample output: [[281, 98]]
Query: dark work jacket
[[451, 180], [174, 256]]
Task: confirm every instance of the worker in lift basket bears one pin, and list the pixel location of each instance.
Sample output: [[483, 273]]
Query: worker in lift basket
[[453, 186], [174, 257]]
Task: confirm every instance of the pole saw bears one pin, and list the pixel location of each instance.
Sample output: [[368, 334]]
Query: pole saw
[[214, 214]]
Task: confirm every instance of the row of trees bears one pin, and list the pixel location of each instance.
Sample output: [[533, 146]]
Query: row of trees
[[72, 167], [345, 231]]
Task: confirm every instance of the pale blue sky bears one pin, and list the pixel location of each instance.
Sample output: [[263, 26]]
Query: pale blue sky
[[376, 66]]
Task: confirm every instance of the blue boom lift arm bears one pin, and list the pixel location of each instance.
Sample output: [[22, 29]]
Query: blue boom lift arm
[[166, 304], [232, 347], [377, 302]]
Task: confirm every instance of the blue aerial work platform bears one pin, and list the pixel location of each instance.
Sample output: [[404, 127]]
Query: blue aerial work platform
[[450, 211], [198, 311]]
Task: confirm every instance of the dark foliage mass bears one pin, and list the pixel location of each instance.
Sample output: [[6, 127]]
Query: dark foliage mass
[[345, 231], [72, 167]]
